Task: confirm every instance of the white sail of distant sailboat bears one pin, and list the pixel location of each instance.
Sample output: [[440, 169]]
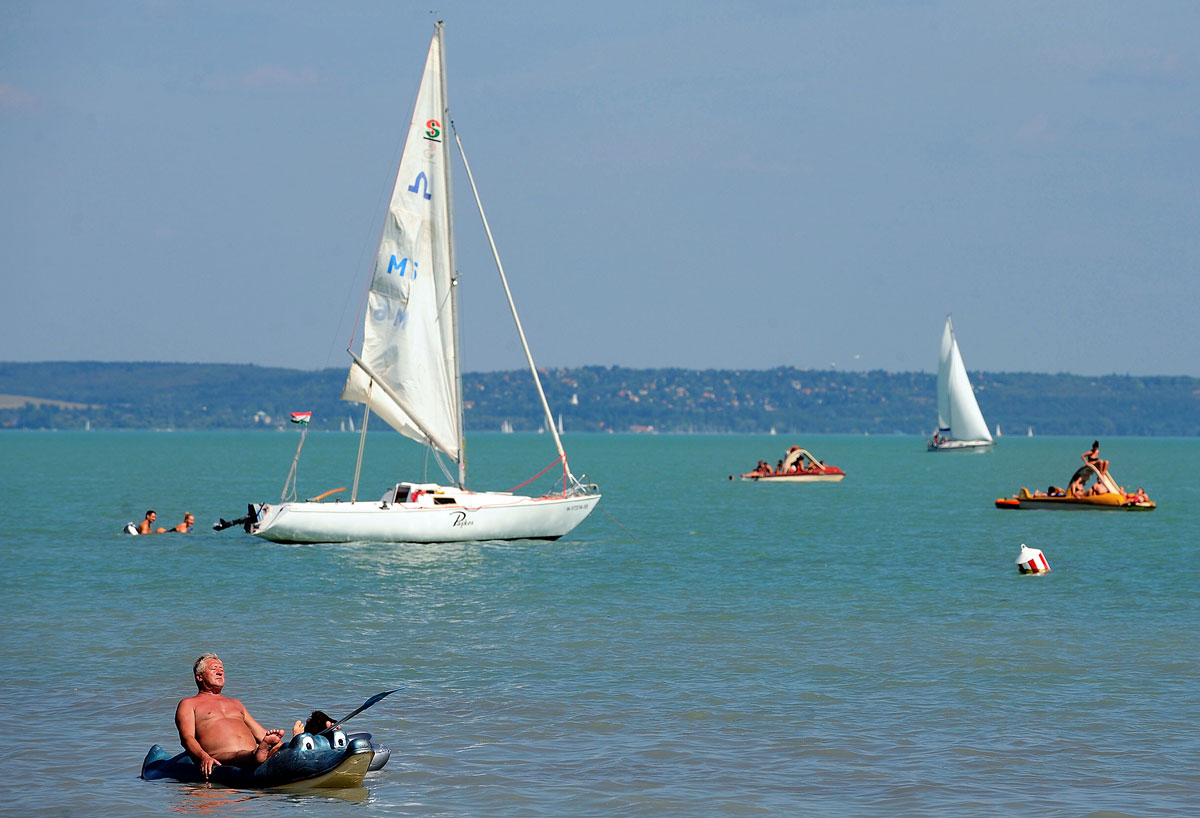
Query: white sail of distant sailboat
[[960, 423], [408, 370]]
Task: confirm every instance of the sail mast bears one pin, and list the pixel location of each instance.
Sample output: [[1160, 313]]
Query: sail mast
[[513, 307], [457, 347]]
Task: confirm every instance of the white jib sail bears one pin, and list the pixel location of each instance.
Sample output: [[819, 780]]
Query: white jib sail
[[409, 337], [965, 420]]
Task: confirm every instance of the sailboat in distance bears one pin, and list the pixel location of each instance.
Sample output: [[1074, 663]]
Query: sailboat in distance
[[408, 371], [960, 423]]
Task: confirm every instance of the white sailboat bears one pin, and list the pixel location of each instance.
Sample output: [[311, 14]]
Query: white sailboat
[[408, 371], [960, 423]]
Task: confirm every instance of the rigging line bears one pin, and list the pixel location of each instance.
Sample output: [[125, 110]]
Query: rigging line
[[387, 212], [430, 449], [608, 514], [437, 458], [537, 381], [364, 248], [539, 474]]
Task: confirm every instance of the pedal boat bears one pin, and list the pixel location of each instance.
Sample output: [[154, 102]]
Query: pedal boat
[[813, 474], [1115, 499]]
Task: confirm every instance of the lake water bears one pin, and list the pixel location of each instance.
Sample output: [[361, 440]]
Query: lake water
[[698, 647]]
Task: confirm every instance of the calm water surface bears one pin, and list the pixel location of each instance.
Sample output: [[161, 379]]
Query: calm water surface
[[697, 647]]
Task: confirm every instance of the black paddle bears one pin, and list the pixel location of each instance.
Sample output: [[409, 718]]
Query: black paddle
[[378, 697]]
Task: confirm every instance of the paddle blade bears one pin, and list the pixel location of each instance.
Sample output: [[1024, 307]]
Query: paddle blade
[[378, 697]]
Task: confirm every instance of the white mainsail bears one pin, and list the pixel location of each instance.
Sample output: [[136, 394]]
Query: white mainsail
[[408, 370], [409, 374], [958, 411]]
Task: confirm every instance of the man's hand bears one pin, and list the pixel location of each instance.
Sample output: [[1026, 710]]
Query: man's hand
[[207, 763]]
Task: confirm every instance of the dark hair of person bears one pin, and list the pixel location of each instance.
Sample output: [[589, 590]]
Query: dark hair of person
[[317, 722]]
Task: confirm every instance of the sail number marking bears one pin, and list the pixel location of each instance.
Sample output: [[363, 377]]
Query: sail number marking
[[401, 265], [421, 185], [380, 314]]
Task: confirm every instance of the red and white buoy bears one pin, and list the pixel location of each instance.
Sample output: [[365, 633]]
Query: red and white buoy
[[1031, 561]]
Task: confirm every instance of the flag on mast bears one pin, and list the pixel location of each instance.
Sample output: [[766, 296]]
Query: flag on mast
[[301, 417]]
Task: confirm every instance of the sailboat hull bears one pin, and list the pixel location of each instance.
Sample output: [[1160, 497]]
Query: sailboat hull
[[958, 445], [832, 477], [470, 517]]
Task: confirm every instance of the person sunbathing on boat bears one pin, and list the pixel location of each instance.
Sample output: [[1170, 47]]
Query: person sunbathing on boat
[[1092, 457], [216, 730]]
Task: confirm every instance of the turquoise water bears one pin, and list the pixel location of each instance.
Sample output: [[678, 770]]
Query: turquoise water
[[697, 647]]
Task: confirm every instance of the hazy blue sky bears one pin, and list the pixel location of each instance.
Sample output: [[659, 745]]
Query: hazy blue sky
[[686, 183]]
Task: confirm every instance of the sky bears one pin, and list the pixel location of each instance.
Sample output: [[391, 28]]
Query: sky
[[685, 183]]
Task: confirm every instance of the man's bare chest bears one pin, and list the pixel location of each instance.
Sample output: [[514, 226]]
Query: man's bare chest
[[218, 709]]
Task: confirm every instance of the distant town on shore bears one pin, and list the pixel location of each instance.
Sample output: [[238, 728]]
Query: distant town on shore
[[93, 395]]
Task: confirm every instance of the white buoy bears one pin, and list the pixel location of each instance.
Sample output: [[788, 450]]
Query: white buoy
[[1031, 561]]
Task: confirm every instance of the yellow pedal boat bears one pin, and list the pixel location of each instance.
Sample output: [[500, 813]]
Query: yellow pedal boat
[[1108, 497]]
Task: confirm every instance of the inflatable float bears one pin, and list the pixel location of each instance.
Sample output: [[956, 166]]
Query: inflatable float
[[338, 761]]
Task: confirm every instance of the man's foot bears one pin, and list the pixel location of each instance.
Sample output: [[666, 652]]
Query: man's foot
[[271, 741]]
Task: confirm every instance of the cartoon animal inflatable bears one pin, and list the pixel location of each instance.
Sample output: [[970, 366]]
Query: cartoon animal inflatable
[[336, 761]]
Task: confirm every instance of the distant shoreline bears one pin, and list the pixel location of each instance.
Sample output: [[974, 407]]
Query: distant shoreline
[[789, 400]]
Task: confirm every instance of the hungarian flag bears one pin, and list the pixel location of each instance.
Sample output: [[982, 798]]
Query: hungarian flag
[[301, 417]]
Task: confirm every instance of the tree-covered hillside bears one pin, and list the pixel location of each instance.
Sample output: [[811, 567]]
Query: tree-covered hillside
[[599, 399]]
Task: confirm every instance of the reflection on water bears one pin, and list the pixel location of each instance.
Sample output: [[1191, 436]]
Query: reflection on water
[[390, 559], [206, 798], [213, 799]]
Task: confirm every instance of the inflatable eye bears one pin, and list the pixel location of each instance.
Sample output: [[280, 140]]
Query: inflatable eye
[[337, 740], [307, 742]]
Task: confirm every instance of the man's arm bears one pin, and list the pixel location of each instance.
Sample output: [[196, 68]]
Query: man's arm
[[257, 729], [185, 722]]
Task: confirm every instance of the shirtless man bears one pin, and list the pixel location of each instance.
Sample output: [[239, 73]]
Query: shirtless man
[[185, 527], [146, 526], [217, 730]]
